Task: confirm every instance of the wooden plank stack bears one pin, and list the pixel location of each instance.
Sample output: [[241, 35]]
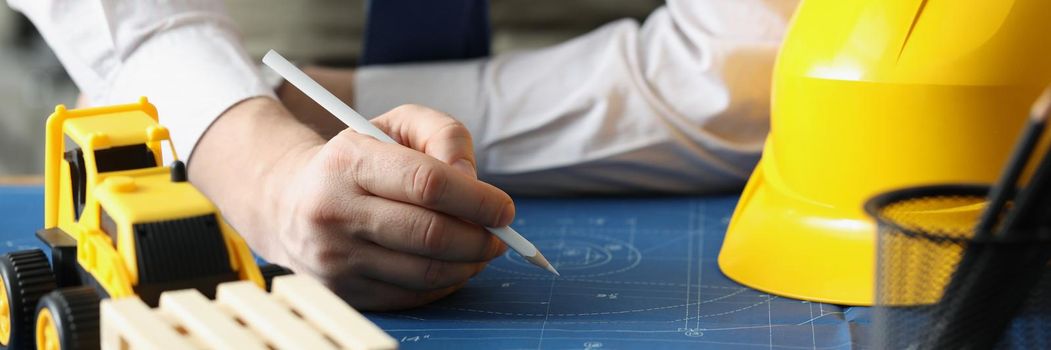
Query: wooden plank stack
[[300, 313]]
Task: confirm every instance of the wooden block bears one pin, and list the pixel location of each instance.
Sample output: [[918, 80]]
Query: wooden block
[[127, 323], [330, 314], [268, 318], [207, 323]]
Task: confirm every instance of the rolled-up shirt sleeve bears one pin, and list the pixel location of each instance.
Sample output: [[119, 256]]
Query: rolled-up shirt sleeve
[[678, 104], [185, 56]]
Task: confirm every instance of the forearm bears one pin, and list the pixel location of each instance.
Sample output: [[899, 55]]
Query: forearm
[[239, 158], [184, 55], [678, 104]]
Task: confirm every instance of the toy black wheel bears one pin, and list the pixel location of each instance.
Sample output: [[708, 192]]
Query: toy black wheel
[[25, 277], [272, 270], [68, 319]]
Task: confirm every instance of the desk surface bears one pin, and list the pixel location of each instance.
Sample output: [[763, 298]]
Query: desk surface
[[30, 180], [637, 273]]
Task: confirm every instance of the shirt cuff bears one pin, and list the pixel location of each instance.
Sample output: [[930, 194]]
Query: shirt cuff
[[451, 87], [192, 74]]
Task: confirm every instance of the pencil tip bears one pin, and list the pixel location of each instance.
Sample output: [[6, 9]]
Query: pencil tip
[[540, 261]]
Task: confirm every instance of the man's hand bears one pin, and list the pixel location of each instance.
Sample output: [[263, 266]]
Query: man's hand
[[385, 226]]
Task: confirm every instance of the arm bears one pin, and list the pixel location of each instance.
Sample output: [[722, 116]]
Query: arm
[[678, 104], [184, 55], [382, 236]]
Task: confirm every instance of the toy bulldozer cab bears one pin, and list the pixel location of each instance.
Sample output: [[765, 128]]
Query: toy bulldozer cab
[[118, 224]]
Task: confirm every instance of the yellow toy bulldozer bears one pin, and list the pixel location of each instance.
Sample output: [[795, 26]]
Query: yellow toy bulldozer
[[118, 224]]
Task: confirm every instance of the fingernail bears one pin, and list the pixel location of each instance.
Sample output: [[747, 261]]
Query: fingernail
[[507, 215], [465, 167]]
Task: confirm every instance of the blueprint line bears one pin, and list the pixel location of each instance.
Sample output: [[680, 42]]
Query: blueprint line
[[811, 321], [566, 330], [642, 283], [551, 292], [689, 266], [770, 322], [813, 334], [662, 245], [700, 256], [605, 312], [717, 344]]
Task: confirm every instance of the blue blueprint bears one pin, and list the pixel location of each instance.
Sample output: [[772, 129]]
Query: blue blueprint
[[636, 273]]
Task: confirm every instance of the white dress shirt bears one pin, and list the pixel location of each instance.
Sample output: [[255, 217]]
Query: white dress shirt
[[678, 104]]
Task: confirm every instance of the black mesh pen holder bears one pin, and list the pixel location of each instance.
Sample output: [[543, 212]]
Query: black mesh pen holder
[[940, 287]]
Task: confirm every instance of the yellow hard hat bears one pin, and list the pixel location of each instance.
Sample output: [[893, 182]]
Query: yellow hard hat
[[874, 95]]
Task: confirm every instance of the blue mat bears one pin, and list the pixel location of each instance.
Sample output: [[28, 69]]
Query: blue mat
[[637, 273]]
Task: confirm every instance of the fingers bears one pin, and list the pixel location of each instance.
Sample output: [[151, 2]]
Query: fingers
[[412, 271], [369, 275], [405, 175], [372, 295], [415, 230], [433, 133]]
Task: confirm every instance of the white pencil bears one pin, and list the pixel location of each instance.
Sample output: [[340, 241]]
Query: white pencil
[[355, 121]]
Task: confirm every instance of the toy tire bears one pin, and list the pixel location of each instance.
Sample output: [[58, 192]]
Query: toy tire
[[70, 318], [26, 277]]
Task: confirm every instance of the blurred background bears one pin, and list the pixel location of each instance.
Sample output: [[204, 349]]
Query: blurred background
[[326, 32]]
